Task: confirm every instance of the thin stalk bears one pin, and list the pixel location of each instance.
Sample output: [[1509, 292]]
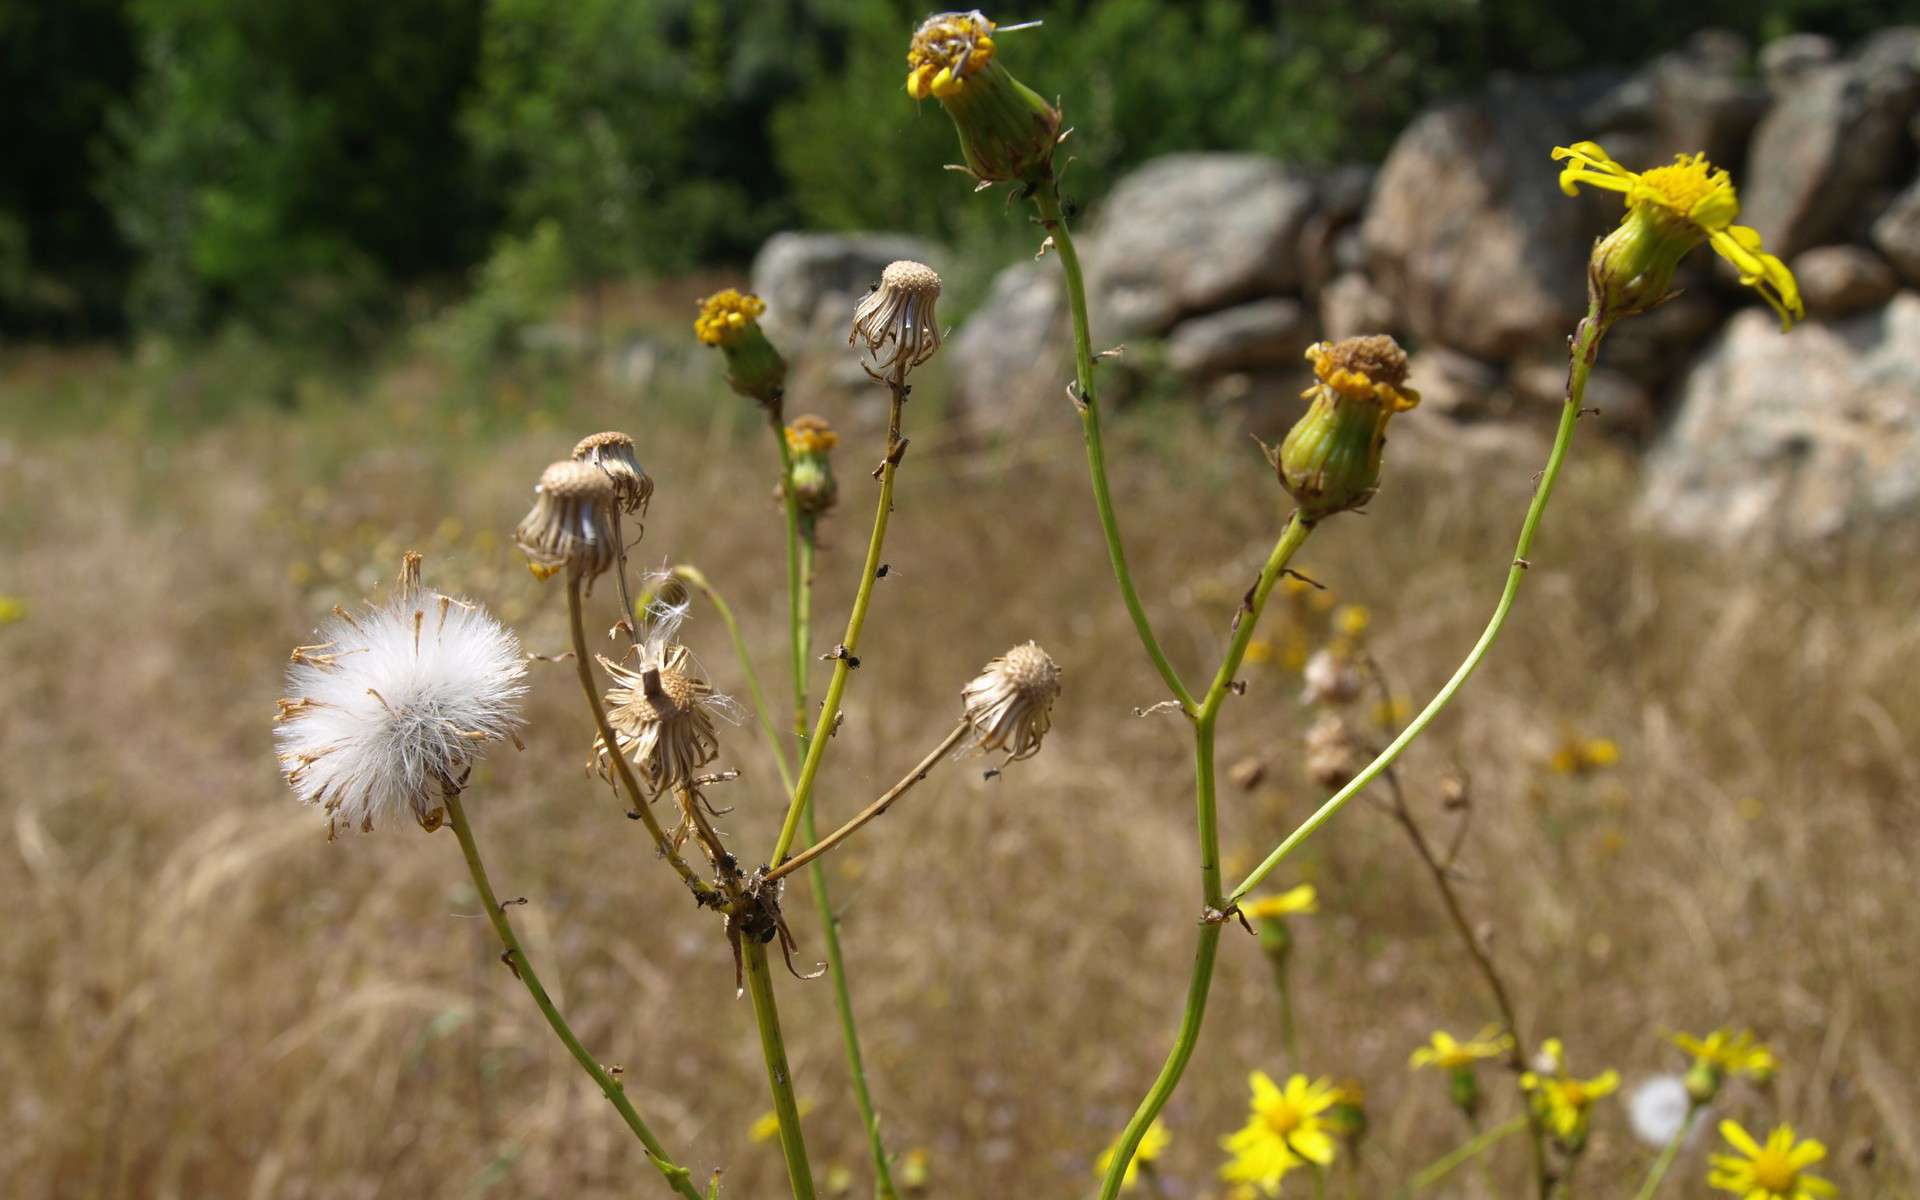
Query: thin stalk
[[816, 848], [779, 1076], [1586, 345], [850, 643], [641, 807], [1047, 200], [677, 1177], [1668, 1153], [1441, 1167], [1206, 814], [800, 555], [693, 577]]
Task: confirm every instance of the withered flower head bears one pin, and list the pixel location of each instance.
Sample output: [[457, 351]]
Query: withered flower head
[[896, 321], [395, 704], [614, 454], [1010, 703], [571, 523], [1332, 678], [811, 441], [1333, 756], [662, 708], [1330, 460]]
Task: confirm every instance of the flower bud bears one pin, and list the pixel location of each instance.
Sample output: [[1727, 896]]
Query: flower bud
[[1330, 461], [1347, 1116], [1007, 132], [811, 441], [729, 319], [1463, 1087], [1703, 1082]]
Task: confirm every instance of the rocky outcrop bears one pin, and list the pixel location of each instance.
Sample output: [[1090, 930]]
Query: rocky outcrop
[[1794, 437]]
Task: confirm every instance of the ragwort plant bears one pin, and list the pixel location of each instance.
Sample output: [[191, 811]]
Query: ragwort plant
[[390, 709]]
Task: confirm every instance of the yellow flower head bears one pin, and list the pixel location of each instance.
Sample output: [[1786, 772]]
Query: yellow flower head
[[1285, 1129], [1330, 460], [1565, 1102], [766, 1127], [726, 315], [916, 1170], [1352, 620], [1734, 1053], [1297, 901], [947, 51], [1576, 755], [1671, 210], [1448, 1054], [12, 609], [1153, 1143], [811, 435], [1775, 1171]]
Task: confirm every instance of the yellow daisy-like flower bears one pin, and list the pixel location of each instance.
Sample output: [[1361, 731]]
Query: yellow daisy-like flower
[[1007, 131], [1735, 1053], [1775, 1171], [948, 49], [1153, 1143], [1298, 901], [1286, 1129], [1576, 755], [725, 316], [1565, 1103], [1444, 1052], [811, 435], [1671, 210], [1352, 620]]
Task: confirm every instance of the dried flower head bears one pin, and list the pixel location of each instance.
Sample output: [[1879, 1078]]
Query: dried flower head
[[1007, 131], [896, 321], [1671, 210], [571, 523], [1331, 679], [1330, 460], [396, 704], [811, 441], [662, 708], [1333, 756], [614, 454], [730, 320], [1010, 703]]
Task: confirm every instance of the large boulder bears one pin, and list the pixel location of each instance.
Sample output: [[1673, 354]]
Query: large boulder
[[1468, 232], [812, 281], [1190, 233], [1794, 437], [1701, 97], [1896, 233], [1013, 351], [1266, 333], [1838, 281], [1834, 138]]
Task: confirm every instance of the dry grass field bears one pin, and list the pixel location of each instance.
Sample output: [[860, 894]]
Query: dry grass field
[[201, 997]]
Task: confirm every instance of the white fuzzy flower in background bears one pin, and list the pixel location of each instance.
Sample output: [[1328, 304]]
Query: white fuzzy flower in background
[[1657, 1107], [395, 701]]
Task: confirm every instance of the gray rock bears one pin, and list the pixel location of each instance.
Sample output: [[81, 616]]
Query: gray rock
[[1453, 384], [1351, 306], [1657, 346], [1700, 97], [1837, 281], [1798, 436], [1330, 241], [1266, 333], [1189, 233], [1833, 139], [812, 281], [1621, 404], [1468, 230], [1012, 354], [1784, 62], [1896, 233]]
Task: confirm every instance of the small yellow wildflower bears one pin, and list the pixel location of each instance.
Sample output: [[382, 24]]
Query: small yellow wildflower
[[767, 1126], [1297, 901], [1006, 130], [13, 608], [1670, 211], [916, 1170], [1259, 650], [839, 1180], [725, 316], [1576, 755], [1775, 1171], [1352, 620], [1446, 1053], [1735, 1053], [1564, 1102], [1152, 1144], [1330, 460], [1286, 1129]]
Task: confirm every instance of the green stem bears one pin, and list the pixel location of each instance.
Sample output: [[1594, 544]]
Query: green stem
[[1586, 344], [677, 1177], [1668, 1153], [1047, 200], [694, 577], [779, 1076], [849, 644], [641, 808], [1441, 1167], [1206, 816]]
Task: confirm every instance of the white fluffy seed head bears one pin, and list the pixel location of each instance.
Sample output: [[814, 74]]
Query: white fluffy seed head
[[1657, 1108], [396, 702]]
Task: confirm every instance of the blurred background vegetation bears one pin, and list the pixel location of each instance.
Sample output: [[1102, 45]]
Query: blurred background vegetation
[[320, 174]]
